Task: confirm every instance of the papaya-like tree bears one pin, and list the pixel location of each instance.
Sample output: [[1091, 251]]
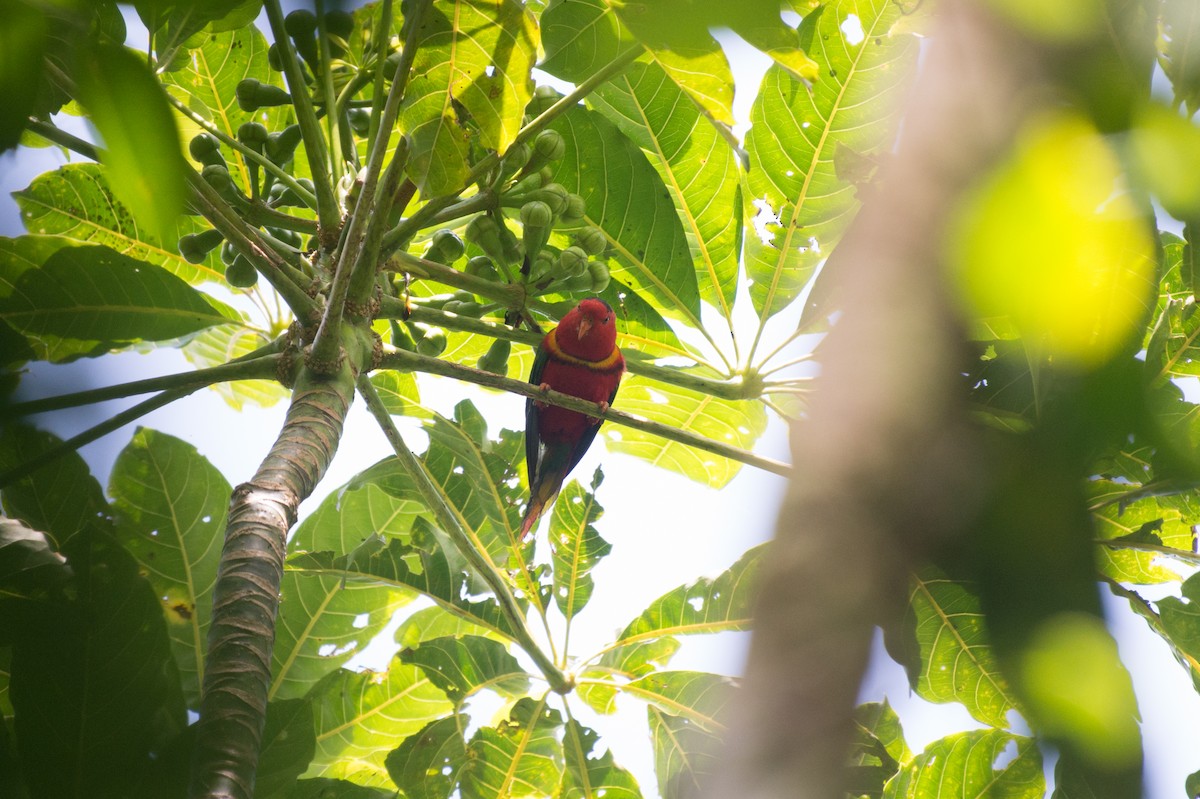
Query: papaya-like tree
[[323, 207]]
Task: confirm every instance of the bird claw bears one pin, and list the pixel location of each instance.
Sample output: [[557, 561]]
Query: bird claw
[[603, 410], [540, 404]]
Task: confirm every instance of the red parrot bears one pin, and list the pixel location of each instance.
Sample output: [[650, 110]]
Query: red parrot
[[579, 357]]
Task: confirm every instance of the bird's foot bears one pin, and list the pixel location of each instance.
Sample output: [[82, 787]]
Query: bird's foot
[[603, 410], [540, 404]]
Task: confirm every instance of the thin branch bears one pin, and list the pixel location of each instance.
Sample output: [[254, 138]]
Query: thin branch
[[263, 367], [246, 152], [450, 524], [392, 308], [92, 433], [383, 38], [399, 236], [310, 128], [407, 361], [283, 277], [366, 213]]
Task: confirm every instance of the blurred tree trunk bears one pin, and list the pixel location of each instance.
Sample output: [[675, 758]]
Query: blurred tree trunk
[[886, 465]]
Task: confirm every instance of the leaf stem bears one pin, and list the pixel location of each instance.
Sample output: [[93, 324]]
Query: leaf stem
[[365, 221], [283, 277], [450, 524], [328, 214], [263, 366], [266, 163], [92, 433], [392, 308], [400, 235], [383, 38], [405, 361]]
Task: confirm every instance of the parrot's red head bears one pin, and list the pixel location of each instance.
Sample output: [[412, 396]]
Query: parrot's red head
[[589, 331]]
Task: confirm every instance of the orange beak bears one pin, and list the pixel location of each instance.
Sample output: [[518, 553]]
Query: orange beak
[[585, 324]]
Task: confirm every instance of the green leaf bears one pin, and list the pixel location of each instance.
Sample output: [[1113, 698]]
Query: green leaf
[[141, 142], [169, 507], [1116, 518], [424, 568], [686, 712], [626, 198], [360, 717], [470, 81], [1180, 620], [207, 82], [1181, 55], [61, 498], [399, 392], [575, 544], [582, 36], [77, 203], [696, 164], [521, 756], [172, 24], [435, 622], [1171, 342], [324, 620], [683, 26], [97, 294], [288, 745], [708, 605], [23, 40], [29, 566], [224, 343], [641, 329], [97, 697], [962, 765], [877, 749], [462, 666], [427, 764], [353, 514], [588, 774], [797, 131], [735, 422], [956, 663], [338, 789]]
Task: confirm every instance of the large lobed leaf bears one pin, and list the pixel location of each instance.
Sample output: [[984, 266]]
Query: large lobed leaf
[[686, 711], [588, 774], [708, 605], [522, 756], [169, 507], [94, 700], [61, 498], [470, 81], [224, 343], [360, 717], [460, 666], [94, 299], [946, 650], [799, 133], [207, 82], [425, 568], [582, 36], [575, 544], [75, 202], [626, 198], [696, 164], [964, 765], [735, 422], [427, 764], [141, 150]]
